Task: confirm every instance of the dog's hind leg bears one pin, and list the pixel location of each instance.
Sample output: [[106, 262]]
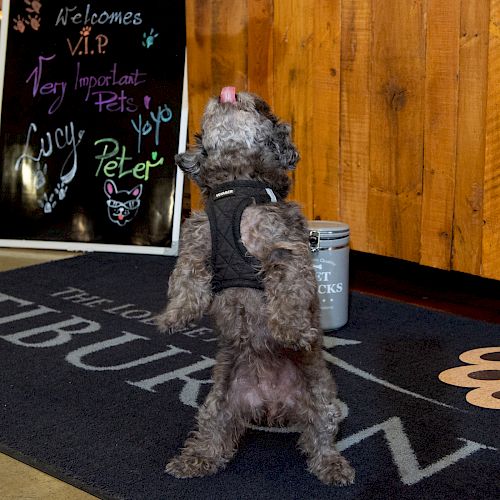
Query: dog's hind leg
[[220, 425], [213, 444], [320, 426]]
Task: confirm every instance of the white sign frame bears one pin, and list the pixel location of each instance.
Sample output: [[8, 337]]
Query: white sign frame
[[173, 250]]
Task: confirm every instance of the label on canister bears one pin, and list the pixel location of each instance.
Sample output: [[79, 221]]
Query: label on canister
[[330, 252]]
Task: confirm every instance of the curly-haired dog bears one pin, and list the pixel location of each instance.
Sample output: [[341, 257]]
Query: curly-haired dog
[[246, 262]]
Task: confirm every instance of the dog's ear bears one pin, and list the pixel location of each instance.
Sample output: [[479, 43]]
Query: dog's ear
[[285, 149], [192, 160], [189, 162]]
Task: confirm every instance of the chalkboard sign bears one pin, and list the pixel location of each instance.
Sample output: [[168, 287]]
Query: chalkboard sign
[[93, 110]]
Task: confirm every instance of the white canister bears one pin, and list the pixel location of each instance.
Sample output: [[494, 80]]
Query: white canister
[[329, 242]]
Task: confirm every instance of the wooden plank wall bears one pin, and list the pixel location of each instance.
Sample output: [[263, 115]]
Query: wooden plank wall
[[395, 107]]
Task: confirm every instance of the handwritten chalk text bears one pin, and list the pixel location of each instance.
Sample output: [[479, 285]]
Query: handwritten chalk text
[[163, 115], [111, 78], [54, 88], [73, 15], [41, 146], [113, 161], [82, 46]]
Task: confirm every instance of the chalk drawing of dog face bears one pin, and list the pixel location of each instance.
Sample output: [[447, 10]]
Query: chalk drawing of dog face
[[122, 205]]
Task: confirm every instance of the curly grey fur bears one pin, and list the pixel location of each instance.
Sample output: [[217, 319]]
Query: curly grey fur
[[269, 365]]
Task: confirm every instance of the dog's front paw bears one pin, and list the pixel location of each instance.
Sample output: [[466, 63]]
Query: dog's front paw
[[295, 339], [186, 466], [333, 469], [169, 321]]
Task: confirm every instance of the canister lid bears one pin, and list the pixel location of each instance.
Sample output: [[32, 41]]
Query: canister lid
[[329, 230], [325, 234]]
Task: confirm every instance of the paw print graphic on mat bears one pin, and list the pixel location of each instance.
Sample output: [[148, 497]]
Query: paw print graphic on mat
[[482, 374]]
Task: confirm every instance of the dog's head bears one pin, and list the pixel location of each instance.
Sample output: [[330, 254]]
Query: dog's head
[[240, 139]]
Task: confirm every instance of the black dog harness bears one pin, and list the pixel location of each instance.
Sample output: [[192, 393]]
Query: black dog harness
[[232, 265]]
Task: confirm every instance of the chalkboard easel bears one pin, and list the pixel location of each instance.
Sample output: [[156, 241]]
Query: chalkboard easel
[[93, 109]]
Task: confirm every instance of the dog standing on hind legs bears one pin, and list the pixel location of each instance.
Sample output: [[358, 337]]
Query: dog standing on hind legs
[[245, 261]]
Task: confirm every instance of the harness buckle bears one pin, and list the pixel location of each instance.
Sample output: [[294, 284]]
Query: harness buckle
[[314, 240]]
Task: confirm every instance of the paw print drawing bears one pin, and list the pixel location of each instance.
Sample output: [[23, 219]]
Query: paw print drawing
[[34, 6], [34, 22], [85, 31], [47, 203], [61, 190], [40, 176], [20, 24], [148, 40]]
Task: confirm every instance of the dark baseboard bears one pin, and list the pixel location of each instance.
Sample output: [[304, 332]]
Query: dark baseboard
[[449, 291]]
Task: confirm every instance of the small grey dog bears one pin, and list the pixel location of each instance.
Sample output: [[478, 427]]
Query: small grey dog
[[245, 261]]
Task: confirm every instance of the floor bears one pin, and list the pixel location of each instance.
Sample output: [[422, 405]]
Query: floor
[[453, 292], [18, 481], [19, 257]]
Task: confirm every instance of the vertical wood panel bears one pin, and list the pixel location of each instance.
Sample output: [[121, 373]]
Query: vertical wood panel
[[199, 58], [491, 212], [396, 128], [293, 95], [230, 45], [355, 118], [394, 107], [260, 48], [440, 136], [217, 56], [325, 154], [468, 210]]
